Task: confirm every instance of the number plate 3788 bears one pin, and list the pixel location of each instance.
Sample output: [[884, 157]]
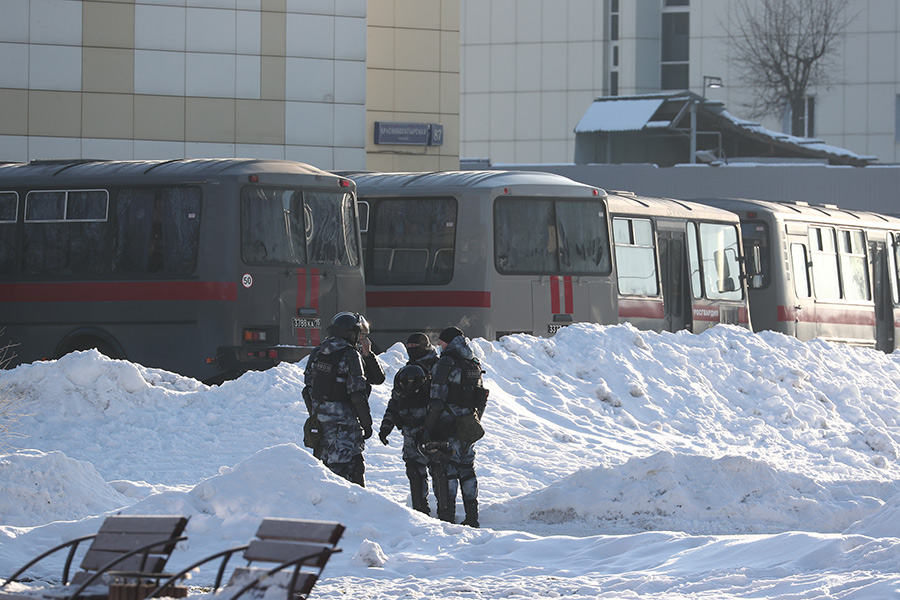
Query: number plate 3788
[[306, 323]]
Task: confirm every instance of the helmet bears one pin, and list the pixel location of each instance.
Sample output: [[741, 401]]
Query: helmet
[[410, 379], [348, 325]]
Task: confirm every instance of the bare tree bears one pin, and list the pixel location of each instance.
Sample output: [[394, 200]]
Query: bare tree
[[782, 48], [11, 402]]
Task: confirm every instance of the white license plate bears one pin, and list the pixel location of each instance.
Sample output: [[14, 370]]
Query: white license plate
[[554, 327], [307, 323]]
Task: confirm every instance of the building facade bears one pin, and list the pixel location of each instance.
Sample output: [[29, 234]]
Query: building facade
[[287, 79], [531, 68]]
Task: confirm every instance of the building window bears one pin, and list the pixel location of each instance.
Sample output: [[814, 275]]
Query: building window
[[807, 124], [675, 56], [614, 48]]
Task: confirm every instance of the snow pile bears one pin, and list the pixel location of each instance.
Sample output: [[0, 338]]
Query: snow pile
[[617, 463]]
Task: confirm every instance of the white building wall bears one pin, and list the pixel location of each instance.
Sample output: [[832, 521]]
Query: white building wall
[[529, 69], [556, 78], [133, 79]]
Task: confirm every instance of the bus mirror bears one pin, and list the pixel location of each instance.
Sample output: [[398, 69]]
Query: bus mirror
[[756, 282]]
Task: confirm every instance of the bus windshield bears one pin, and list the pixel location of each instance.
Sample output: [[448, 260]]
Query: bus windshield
[[289, 226]]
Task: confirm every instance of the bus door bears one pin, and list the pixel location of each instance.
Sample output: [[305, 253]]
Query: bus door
[[673, 274], [884, 304], [798, 312]]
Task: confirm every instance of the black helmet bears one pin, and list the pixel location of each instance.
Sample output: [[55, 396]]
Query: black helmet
[[410, 380], [348, 325]]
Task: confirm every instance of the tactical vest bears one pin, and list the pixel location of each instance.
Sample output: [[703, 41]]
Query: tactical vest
[[328, 386], [466, 392]]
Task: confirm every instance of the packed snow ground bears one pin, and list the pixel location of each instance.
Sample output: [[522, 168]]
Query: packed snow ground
[[617, 464]]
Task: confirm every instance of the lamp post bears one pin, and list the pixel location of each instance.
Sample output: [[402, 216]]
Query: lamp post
[[709, 81]]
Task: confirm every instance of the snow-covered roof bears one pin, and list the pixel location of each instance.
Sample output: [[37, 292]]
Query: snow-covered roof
[[666, 110], [618, 115]]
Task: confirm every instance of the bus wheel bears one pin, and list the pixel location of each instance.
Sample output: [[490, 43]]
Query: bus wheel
[[89, 342]]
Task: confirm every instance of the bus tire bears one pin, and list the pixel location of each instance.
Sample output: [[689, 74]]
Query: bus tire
[[88, 339]]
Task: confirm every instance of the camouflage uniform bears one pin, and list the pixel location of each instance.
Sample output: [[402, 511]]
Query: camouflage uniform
[[456, 371], [341, 405], [408, 415]]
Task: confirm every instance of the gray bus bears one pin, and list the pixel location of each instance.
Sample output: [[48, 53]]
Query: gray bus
[[819, 271], [497, 252], [206, 267]]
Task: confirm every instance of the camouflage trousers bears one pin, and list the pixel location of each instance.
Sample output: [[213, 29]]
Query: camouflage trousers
[[341, 451]]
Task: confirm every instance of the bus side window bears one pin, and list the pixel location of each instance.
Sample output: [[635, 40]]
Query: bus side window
[[158, 230], [854, 264], [635, 257], [9, 209], [800, 267], [412, 241], [65, 232]]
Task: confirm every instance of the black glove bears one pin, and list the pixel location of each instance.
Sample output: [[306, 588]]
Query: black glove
[[383, 434], [367, 432]]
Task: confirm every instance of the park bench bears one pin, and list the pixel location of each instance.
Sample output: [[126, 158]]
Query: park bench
[[296, 552], [125, 547]]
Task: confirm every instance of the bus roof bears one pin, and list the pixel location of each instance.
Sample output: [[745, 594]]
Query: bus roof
[[177, 168], [630, 203], [803, 211], [445, 181]]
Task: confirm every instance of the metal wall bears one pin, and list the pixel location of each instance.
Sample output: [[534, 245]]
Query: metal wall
[[875, 189]]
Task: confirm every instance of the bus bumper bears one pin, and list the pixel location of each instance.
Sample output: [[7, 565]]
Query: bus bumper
[[257, 358]]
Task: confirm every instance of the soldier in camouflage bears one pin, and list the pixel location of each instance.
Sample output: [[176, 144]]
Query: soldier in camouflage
[[337, 394], [407, 410], [457, 390]]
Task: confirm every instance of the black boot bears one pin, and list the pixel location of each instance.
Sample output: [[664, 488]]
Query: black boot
[[418, 487], [471, 507]]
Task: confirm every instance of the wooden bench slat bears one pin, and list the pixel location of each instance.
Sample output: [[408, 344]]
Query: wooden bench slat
[[172, 526], [294, 529], [126, 542], [279, 552], [97, 560]]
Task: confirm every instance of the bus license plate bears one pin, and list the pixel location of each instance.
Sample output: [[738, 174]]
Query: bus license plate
[[307, 323], [554, 327]]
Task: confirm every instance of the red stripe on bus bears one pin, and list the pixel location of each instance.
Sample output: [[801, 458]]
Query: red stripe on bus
[[314, 285], [301, 300], [836, 316], [119, 291], [554, 294], [651, 309], [428, 299], [570, 301]]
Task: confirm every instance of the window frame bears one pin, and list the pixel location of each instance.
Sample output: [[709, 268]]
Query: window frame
[[65, 218], [633, 244]]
